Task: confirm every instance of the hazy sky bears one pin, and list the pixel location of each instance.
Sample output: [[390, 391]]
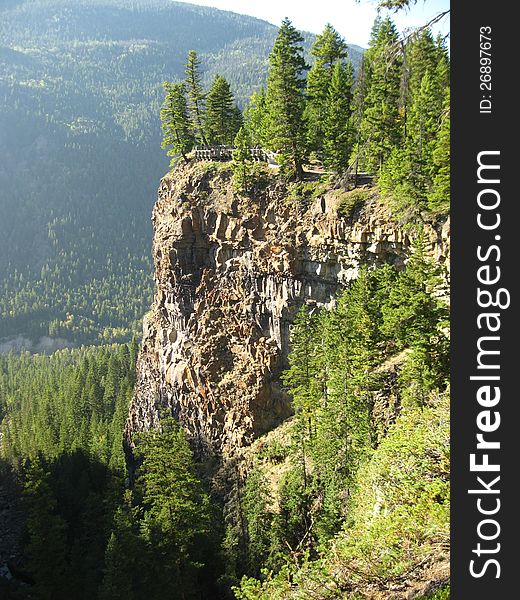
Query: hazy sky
[[352, 19]]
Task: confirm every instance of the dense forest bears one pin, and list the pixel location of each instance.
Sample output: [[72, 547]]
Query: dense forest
[[89, 536], [391, 121], [80, 153], [369, 378], [348, 442], [353, 490]]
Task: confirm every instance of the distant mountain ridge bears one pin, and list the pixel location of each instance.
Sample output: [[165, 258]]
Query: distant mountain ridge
[[80, 92]]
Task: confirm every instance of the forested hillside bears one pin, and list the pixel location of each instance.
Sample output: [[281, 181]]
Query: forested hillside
[[350, 498], [345, 499], [296, 297], [80, 157]]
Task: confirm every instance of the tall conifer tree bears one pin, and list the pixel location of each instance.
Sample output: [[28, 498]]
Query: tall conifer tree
[[381, 123], [47, 545], [220, 117], [337, 121], [195, 96], [176, 519], [285, 96], [178, 135], [407, 175], [439, 195], [328, 49], [255, 118], [242, 160]]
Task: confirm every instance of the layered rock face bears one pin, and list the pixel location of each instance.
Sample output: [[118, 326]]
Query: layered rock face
[[230, 275]]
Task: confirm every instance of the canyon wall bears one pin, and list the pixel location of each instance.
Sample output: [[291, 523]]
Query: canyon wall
[[230, 275]]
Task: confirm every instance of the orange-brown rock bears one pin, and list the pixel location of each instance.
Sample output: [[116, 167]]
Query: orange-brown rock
[[230, 276]]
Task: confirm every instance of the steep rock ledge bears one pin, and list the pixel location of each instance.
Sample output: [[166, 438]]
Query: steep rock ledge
[[230, 275]]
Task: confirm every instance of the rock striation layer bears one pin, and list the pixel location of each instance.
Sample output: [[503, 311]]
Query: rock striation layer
[[230, 276]]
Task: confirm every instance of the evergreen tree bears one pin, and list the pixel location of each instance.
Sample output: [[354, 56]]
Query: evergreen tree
[[124, 556], [255, 502], [423, 126], [329, 48], [343, 418], [237, 121], [47, 547], [358, 112], [381, 125], [303, 374], [175, 121], [423, 56], [337, 122], [439, 196], [87, 546], [255, 117], [195, 96], [304, 378], [443, 62], [407, 176], [176, 513], [220, 116], [285, 99], [416, 317], [242, 160], [111, 383], [419, 56]]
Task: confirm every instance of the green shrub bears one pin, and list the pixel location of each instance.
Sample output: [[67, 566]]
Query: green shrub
[[351, 201], [274, 452]]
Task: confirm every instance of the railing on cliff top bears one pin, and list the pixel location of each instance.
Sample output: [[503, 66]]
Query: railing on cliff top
[[223, 153]]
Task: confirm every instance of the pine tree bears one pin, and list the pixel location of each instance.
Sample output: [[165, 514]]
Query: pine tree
[[220, 117], [124, 556], [176, 516], [285, 99], [416, 306], [358, 112], [328, 49], [242, 160], [237, 121], [338, 130], [195, 96], [439, 196], [304, 380], [344, 417], [303, 375], [47, 546], [88, 544], [120, 414], [422, 57], [416, 317], [407, 176], [255, 501], [423, 126], [111, 384], [255, 117], [176, 125], [419, 56], [381, 126]]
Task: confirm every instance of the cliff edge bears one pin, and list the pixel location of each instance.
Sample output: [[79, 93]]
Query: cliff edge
[[230, 275]]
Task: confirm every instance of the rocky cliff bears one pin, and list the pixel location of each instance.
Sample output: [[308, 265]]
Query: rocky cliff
[[230, 275]]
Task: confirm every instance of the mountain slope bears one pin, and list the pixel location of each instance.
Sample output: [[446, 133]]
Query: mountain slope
[[80, 90]]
